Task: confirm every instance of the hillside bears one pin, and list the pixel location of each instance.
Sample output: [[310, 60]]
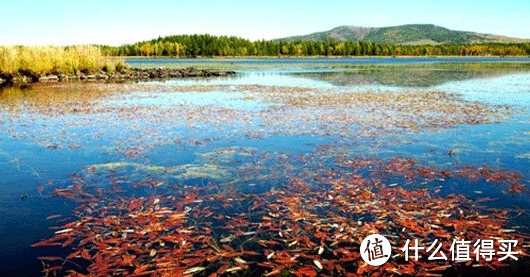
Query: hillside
[[404, 34]]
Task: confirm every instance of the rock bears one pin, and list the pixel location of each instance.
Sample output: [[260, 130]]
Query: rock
[[88, 77], [102, 77], [34, 77], [23, 77], [7, 78], [23, 80], [49, 78]]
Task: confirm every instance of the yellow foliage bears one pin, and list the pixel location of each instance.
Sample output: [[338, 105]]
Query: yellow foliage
[[52, 59]]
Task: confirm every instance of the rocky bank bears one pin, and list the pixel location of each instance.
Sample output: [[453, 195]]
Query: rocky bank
[[130, 74]]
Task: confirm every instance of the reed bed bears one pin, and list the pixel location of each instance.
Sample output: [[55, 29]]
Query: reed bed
[[44, 60]]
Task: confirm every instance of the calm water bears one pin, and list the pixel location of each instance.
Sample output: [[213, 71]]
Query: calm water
[[340, 61], [217, 130]]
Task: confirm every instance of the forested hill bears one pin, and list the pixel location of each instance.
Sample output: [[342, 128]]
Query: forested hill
[[405, 34], [191, 46]]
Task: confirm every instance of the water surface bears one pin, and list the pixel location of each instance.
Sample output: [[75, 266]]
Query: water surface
[[256, 131]]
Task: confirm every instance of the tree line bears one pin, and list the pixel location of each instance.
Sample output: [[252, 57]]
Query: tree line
[[191, 46]]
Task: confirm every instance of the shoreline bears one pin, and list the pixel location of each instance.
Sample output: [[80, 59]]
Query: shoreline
[[143, 74], [311, 57], [130, 74]]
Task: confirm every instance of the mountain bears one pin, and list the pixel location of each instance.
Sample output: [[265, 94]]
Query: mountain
[[404, 34]]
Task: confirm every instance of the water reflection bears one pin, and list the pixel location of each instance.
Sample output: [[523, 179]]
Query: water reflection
[[411, 76], [59, 97]]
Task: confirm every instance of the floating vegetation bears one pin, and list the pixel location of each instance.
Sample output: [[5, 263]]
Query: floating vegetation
[[250, 176], [299, 228], [320, 111], [228, 154], [181, 172]]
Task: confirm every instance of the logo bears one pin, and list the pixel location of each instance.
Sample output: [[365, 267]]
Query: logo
[[375, 250]]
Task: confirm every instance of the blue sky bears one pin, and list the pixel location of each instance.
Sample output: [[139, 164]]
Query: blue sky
[[63, 22]]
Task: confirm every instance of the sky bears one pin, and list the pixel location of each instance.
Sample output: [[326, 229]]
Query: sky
[[66, 22]]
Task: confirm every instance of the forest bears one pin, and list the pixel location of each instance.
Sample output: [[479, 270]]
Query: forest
[[192, 46]]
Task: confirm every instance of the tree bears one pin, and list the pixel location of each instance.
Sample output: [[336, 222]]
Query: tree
[[285, 50], [207, 45], [147, 49]]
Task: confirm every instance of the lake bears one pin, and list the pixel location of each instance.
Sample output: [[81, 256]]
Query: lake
[[282, 168]]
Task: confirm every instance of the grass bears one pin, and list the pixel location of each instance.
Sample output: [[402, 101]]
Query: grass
[[42, 60]]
